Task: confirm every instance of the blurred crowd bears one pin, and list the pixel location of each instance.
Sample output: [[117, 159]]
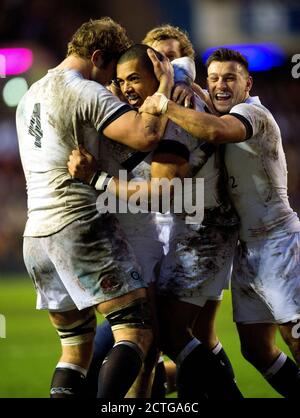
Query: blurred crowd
[[50, 28]]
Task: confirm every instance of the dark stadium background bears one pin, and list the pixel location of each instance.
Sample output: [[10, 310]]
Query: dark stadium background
[[45, 28]]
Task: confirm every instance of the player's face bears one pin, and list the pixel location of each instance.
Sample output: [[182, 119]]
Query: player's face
[[228, 84], [136, 82], [169, 47]]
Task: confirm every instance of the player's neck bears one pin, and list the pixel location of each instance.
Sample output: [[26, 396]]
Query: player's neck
[[79, 64]]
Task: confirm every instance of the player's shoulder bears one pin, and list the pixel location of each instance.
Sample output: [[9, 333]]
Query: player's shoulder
[[252, 110], [93, 88], [74, 81], [260, 120], [251, 106]]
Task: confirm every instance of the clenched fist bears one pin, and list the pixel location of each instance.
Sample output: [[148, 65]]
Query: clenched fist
[[82, 165]]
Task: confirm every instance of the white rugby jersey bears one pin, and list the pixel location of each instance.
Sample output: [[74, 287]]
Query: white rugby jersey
[[59, 112], [205, 162], [257, 175]]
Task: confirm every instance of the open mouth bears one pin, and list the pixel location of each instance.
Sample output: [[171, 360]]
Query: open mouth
[[222, 97], [133, 99]]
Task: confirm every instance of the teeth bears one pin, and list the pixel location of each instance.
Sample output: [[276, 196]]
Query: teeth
[[131, 97], [222, 95]]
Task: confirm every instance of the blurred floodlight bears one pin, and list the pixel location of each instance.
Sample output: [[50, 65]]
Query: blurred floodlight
[[261, 57], [14, 90], [17, 60]]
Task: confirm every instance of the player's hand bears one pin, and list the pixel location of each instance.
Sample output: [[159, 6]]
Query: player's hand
[[183, 95], [204, 95], [152, 105], [162, 69], [82, 165]]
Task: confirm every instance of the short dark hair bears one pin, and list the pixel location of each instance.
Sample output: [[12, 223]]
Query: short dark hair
[[225, 54], [139, 51]]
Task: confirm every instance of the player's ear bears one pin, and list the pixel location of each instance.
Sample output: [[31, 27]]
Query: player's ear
[[97, 59]]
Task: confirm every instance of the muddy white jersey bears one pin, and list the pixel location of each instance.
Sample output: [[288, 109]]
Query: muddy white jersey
[[206, 162], [257, 174], [59, 112]]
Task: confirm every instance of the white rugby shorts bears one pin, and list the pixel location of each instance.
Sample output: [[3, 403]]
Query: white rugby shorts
[[266, 280], [86, 263], [141, 232], [199, 263]]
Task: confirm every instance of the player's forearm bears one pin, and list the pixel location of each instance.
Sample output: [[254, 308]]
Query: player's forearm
[[142, 194], [153, 128], [125, 189], [201, 125], [133, 191], [166, 84]]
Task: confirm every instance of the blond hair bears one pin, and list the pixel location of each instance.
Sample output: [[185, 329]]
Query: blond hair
[[103, 34], [164, 32]]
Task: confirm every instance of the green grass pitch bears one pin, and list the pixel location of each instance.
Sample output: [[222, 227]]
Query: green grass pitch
[[31, 349]]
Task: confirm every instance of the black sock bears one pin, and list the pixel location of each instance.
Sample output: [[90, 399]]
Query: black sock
[[119, 370], [284, 377], [159, 385], [227, 372], [67, 382], [103, 343], [192, 371], [201, 376]]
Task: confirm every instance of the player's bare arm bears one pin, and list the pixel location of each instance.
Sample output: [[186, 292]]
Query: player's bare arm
[[84, 167], [141, 133], [169, 166], [210, 128]]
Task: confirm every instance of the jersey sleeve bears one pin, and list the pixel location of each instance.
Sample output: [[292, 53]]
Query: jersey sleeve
[[252, 116], [99, 107]]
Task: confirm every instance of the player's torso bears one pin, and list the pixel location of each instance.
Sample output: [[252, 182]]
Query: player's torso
[[52, 119], [257, 183]]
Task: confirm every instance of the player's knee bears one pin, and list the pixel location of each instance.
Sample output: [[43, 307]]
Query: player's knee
[[251, 351], [145, 339], [172, 343], [133, 321], [136, 314], [78, 332], [258, 355]]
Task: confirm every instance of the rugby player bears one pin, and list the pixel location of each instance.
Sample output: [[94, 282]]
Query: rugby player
[[79, 259]]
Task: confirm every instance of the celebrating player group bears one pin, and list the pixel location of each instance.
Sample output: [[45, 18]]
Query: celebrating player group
[[157, 275]]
